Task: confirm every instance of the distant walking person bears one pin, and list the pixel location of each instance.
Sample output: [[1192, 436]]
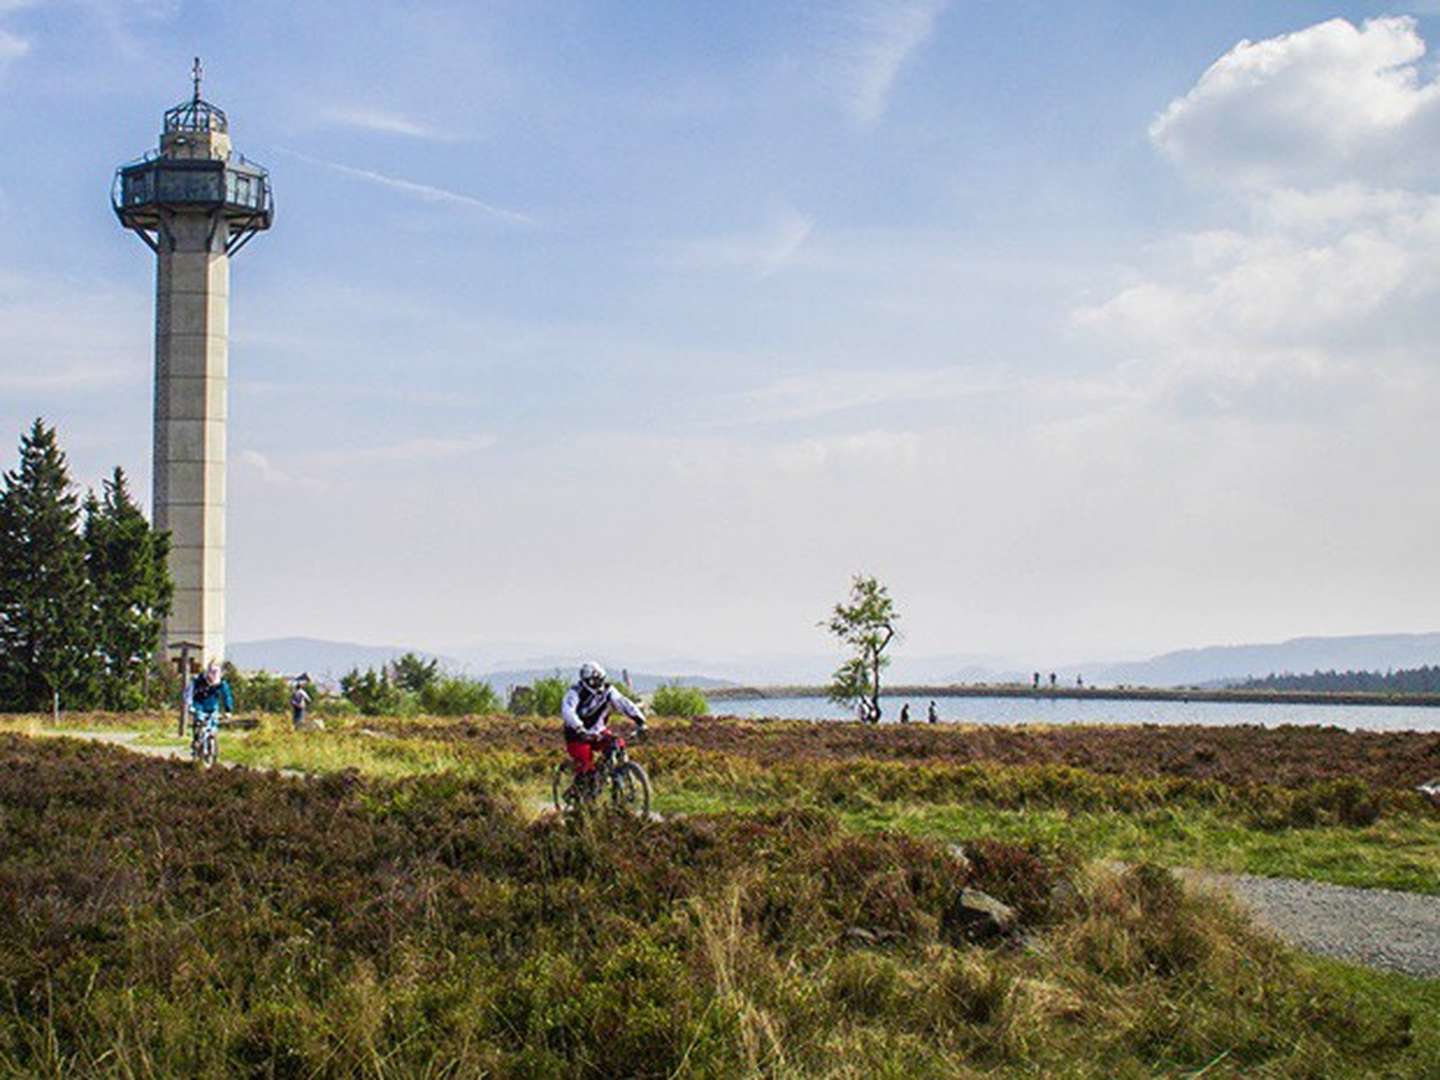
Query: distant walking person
[[905, 713], [1052, 680], [933, 715], [299, 702], [1035, 682]]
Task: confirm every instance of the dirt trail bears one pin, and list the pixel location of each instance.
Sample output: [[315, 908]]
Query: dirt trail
[[127, 740], [1378, 928]]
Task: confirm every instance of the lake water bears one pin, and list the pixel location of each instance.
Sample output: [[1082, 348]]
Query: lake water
[[1023, 710]]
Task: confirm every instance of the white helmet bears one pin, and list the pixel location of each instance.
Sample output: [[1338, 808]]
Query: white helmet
[[592, 675]]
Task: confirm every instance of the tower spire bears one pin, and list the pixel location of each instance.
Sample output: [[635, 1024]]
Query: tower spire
[[197, 72]]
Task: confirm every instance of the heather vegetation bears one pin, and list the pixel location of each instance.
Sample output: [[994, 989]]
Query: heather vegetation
[[1332, 805], [156, 920]]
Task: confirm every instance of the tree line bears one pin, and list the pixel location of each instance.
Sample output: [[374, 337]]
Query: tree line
[[1421, 680], [84, 588]]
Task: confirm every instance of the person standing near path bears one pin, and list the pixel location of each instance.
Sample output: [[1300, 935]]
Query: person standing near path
[[933, 715], [905, 713], [299, 702]]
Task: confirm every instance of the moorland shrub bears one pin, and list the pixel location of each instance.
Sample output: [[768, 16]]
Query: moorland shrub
[[157, 920], [259, 691], [454, 695], [674, 700], [547, 694]]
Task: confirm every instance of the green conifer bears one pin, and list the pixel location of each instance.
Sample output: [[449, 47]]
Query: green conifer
[[126, 560], [45, 599]]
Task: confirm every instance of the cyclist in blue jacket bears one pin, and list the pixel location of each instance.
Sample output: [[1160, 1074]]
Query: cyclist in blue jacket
[[209, 696]]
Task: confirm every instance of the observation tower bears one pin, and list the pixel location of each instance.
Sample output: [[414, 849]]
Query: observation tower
[[195, 202]]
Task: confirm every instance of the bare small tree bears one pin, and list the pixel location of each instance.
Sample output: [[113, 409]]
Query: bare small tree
[[866, 624]]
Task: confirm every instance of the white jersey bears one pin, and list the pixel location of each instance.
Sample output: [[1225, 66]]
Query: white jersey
[[585, 711]]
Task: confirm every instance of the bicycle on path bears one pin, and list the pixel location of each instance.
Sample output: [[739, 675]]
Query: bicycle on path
[[625, 781], [205, 737]]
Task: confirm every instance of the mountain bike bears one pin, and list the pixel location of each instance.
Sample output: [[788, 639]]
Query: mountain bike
[[624, 779], [204, 738]]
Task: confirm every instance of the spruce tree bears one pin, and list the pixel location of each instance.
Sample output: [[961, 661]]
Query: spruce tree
[[125, 558], [45, 599]]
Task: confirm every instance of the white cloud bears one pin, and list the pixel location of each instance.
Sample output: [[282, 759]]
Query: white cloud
[[270, 473], [804, 397], [877, 449], [766, 251], [58, 336], [880, 36], [1323, 303], [387, 122], [407, 452], [317, 470], [12, 47], [423, 192], [1324, 105]]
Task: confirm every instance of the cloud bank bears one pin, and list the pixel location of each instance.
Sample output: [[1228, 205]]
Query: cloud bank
[[1327, 104]]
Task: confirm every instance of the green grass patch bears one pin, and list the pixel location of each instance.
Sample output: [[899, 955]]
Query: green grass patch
[[1399, 853]]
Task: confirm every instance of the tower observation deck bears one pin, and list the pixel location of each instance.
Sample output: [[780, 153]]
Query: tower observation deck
[[195, 202]]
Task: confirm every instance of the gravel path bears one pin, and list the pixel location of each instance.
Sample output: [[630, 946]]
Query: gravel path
[[1380, 928], [127, 739]]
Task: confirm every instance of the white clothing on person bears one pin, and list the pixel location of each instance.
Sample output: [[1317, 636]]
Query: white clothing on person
[[585, 711]]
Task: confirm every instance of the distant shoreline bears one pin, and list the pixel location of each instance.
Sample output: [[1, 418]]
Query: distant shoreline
[[1128, 693]]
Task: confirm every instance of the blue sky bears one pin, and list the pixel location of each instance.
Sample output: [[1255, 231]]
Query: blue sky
[[650, 323]]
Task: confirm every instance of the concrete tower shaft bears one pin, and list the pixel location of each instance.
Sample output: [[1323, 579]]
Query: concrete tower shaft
[[192, 313], [194, 202]]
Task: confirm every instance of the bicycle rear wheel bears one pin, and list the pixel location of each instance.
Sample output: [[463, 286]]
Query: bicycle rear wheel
[[630, 789]]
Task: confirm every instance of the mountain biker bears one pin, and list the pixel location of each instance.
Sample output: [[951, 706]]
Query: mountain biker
[[585, 708], [209, 694]]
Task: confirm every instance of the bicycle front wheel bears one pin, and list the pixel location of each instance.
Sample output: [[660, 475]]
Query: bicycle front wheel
[[209, 749], [630, 789]]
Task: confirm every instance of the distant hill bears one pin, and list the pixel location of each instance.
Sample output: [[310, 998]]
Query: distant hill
[[1224, 664], [641, 681], [291, 656]]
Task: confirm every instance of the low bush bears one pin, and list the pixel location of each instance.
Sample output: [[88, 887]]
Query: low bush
[[453, 695], [259, 691], [374, 694], [671, 700], [547, 695]]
